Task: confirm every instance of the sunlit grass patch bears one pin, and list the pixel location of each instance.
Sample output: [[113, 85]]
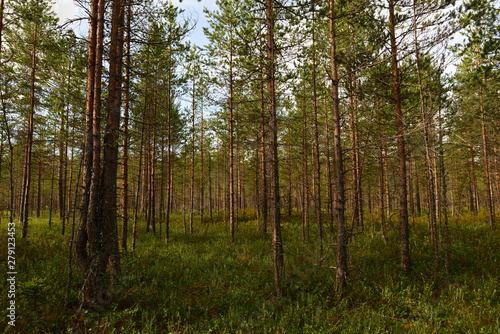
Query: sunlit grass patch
[[202, 283]]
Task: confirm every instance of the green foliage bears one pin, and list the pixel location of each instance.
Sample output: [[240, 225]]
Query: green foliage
[[203, 284]]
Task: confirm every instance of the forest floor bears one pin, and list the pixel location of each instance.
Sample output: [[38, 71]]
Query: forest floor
[[202, 283]]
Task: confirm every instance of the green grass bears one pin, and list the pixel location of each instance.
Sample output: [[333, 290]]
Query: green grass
[[201, 283]]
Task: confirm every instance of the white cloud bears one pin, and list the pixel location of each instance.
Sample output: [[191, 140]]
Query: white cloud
[[66, 9]]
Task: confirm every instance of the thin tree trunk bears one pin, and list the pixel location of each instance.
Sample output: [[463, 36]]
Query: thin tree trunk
[[169, 159], [51, 201], [275, 214], [305, 174], [329, 174], [63, 159], [2, 9], [202, 167], [429, 159], [69, 276], [418, 197], [152, 174], [496, 154], [138, 193], [357, 199], [146, 184], [317, 152], [473, 201], [39, 189], [411, 190], [184, 200], [232, 219], [11, 157], [487, 169], [70, 188], [443, 198], [193, 161], [342, 237], [62, 173], [126, 106], [29, 140], [263, 163], [403, 188], [388, 185], [382, 194], [210, 189], [289, 179]]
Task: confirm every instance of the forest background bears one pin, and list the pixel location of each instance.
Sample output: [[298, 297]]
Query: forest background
[[308, 166]]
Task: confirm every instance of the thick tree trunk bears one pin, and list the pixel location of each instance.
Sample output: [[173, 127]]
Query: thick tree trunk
[[110, 167], [96, 242], [84, 233]]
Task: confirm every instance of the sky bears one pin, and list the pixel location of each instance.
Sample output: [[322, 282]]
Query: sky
[[69, 10]]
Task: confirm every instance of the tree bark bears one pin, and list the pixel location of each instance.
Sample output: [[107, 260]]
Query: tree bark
[[232, 219], [138, 192], [97, 228], [487, 169], [126, 106], [382, 193], [431, 168], [2, 9], [275, 209], [85, 231], [403, 188], [342, 237], [263, 163], [39, 189], [26, 187], [317, 152], [193, 161], [357, 191], [110, 167]]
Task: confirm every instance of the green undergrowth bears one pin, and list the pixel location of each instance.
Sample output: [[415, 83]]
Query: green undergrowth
[[202, 283]]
